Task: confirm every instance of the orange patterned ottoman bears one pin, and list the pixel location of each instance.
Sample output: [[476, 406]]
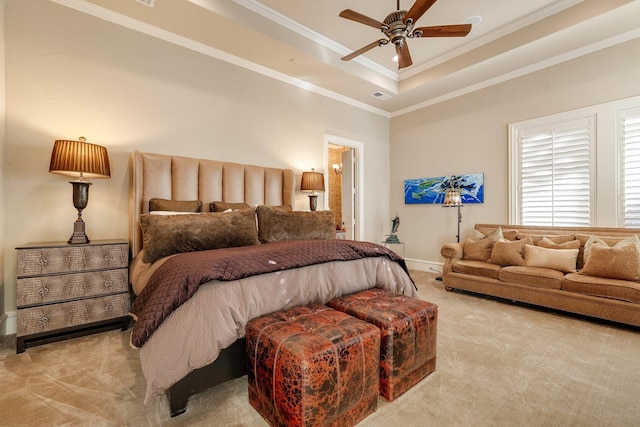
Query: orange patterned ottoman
[[408, 335], [312, 366]]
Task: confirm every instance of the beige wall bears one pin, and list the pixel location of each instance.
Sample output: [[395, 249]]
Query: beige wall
[[2, 143], [469, 134], [70, 74]]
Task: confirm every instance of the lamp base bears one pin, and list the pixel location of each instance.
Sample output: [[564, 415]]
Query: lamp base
[[78, 237], [313, 201]]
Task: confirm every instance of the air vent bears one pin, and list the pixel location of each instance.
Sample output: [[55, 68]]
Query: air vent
[[147, 2], [380, 95]]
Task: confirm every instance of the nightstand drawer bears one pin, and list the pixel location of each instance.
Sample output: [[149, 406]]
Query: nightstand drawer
[[63, 287], [50, 260], [58, 316]]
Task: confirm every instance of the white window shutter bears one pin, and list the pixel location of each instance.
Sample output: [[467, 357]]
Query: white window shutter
[[555, 174], [629, 133]]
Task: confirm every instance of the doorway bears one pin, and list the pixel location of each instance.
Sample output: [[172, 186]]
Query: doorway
[[344, 195]]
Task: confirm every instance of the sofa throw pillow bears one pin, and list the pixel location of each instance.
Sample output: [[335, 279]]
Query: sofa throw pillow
[[156, 204], [557, 259], [550, 244], [507, 252], [478, 235], [276, 223], [618, 262], [479, 250], [168, 235], [632, 240]]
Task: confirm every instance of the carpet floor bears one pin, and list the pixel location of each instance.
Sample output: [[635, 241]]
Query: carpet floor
[[499, 364]]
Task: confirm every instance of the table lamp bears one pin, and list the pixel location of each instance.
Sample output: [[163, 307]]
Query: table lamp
[[312, 181], [82, 160]]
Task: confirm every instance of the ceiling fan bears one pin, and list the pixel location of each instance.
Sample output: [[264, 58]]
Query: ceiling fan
[[399, 25]]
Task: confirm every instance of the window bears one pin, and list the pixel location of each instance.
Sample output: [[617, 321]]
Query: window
[[629, 122], [577, 168], [555, 174]]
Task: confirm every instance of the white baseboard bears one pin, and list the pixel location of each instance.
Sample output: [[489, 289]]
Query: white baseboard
[[8, 323], [423, 265]]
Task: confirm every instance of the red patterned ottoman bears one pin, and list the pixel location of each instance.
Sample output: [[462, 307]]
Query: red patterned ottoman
[[408, 335], [312, 366]]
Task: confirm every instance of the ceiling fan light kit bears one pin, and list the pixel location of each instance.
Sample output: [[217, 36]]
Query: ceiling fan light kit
[[399, 26]]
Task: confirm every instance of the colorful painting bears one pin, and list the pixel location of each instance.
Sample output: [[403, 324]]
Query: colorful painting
[[433, 190]]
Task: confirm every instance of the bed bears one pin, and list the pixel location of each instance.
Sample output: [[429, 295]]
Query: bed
[[194, 292]]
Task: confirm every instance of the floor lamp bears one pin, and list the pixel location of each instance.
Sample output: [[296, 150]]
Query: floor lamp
[[453, 199]]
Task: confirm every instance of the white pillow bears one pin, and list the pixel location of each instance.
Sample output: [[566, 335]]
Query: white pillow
[[556, 259]]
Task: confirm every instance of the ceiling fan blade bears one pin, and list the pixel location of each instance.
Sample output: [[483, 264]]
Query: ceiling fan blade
[[364, 49], [460, 30], [358, 17], [404, 57], [418, 9]]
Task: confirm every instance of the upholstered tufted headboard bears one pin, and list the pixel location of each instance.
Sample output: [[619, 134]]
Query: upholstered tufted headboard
[[183, 178]]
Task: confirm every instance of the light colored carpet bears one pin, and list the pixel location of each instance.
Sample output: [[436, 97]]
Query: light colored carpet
[[499, 364]]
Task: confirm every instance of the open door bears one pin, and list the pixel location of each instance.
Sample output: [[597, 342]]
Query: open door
[[349, 195]]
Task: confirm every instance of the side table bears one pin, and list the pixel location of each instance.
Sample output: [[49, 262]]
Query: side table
[[396, 247], [64, 291]]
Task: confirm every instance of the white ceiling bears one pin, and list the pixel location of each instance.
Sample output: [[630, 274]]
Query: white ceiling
[[302, 41]]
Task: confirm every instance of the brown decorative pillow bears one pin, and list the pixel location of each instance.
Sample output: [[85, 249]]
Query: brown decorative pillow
[[618, 262], [555, 239], [168, 235], [507, 252], [223, 207], [632, 240], [548, 243], [477, 249], [175, 205], [479, 235], [275, 224], [558, 259]]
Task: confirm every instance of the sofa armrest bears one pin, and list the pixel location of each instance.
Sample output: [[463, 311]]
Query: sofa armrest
[[452, 252]]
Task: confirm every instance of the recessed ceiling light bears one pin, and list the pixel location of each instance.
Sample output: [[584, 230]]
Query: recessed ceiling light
[[473, 20]]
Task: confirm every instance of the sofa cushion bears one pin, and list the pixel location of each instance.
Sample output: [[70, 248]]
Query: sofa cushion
[[624, 290], [560, 238], [479, 235], [477, 268], [557, 259], [545, 242], [532, 276], [632, 240], [506, 252], [618, 262], [479, 250]]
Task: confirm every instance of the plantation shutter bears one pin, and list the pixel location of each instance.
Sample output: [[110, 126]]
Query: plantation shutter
[[630, 151], [555, 174]]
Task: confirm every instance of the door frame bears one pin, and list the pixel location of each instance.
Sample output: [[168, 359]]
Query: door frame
[[359, 147]]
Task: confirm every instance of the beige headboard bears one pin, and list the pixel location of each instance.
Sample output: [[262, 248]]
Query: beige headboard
[[183, 178]]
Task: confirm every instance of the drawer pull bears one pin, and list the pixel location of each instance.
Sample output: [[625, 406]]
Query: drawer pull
[[43, 320], [43, 291], [42, 262], [108, 284], [108, 308], [108, 258]]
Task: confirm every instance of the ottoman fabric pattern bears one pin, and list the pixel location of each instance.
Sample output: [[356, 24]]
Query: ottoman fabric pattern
[[408, 335], [312, 366]]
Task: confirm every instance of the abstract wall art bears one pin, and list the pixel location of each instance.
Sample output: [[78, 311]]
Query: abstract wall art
[[433, 190]]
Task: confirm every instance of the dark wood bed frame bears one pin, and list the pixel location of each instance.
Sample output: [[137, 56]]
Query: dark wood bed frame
[[230, 364]]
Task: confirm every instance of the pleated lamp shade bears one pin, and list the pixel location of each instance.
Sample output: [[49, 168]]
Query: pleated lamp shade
[[79, 159], [312, 181]]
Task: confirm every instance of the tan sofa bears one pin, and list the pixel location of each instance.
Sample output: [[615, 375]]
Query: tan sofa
[[548, 267]]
